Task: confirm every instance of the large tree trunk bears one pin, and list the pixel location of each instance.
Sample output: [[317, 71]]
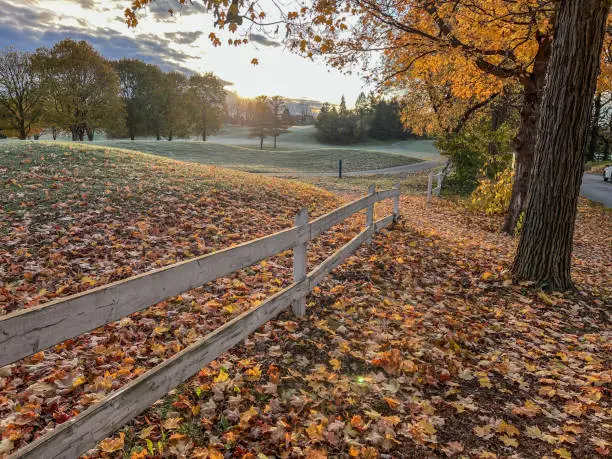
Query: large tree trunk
[[90, 134], [533, 86], [594, 128], [545, 248]]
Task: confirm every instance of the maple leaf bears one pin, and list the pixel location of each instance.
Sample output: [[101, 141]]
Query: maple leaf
[[529, 409], [172, 423], [563, 453], [509, 441], [509, 429], [110, 445]]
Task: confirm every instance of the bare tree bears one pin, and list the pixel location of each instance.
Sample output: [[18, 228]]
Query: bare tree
[[20, 92]]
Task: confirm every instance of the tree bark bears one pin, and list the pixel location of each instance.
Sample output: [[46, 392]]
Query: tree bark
[[545, 248], [533, 86], [90, 134], [594, 128]]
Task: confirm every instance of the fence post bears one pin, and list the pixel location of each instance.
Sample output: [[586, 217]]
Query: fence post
[[396, 200], [429, 183], [299, 264], [340, 168], [370, 213]]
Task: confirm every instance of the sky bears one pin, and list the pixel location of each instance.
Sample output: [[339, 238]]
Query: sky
[[177, 42]]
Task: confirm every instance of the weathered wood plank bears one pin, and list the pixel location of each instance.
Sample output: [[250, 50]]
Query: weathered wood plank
[[386, 194], [396, 200], [325, 222], [77, 435], [300, 258], [25, 332], [370, 212]]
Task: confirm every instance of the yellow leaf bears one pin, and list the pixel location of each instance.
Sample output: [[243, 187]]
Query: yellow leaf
[[247, 416], [172, 423], [110, 445], [146, 432], [253, 374], [222, 376], [335, 364], [504, 427], [509, 441], [563, 453], [79, 381]]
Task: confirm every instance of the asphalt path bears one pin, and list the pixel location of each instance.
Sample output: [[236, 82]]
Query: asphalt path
[[594, 188]]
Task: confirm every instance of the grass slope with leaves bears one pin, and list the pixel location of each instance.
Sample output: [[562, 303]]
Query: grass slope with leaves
[[73, 219], [420, 345]]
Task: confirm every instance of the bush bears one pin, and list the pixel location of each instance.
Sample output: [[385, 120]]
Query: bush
[[476, 153], [492, 196]]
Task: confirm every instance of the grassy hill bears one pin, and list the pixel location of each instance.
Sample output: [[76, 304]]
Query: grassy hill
[[73, 217], [251, 159]]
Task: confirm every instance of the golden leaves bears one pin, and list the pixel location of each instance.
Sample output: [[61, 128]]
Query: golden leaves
[[110, 445]]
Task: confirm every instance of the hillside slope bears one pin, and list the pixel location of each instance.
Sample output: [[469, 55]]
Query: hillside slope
[[72, 219]]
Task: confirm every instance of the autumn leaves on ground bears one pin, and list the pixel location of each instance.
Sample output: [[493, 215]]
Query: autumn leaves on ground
[[420, 345]]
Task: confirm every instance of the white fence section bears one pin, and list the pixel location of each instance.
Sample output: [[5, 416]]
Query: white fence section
[[434, 191], [28, 331]]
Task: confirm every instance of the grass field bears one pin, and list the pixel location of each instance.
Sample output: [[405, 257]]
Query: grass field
[[298, 151], [253, 160]]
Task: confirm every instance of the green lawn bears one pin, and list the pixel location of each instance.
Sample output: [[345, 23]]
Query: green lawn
[[254, 160]]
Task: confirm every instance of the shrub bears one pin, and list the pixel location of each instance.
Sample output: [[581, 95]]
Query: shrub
[[475, 153], [492, 196]]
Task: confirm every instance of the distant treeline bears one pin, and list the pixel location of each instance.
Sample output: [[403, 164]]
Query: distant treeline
[[377, 119], [71, 89]]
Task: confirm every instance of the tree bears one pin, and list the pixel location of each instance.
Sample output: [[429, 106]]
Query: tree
[[545, 246], [137, 90], [81, 88], [207, 98], [175, 111], [280, 117], [20, 92], [262, 122]]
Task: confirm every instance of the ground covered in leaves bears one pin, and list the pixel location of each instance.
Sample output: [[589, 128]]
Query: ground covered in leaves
[[420, 345]]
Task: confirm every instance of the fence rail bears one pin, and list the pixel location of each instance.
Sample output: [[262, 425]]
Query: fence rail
[[25, 332]]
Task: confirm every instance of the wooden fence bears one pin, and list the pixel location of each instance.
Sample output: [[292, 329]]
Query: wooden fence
[[28, 331]]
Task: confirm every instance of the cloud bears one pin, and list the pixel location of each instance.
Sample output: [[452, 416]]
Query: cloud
[[263, 40], [183, 38], [160, 9], [28, 29]]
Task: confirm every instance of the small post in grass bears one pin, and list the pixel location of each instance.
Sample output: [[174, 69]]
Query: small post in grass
[[340, 168], [429, 184], [370, 214], [396, 198], [298, 305]]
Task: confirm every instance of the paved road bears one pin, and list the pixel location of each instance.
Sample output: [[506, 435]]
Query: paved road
[[594, 188]]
